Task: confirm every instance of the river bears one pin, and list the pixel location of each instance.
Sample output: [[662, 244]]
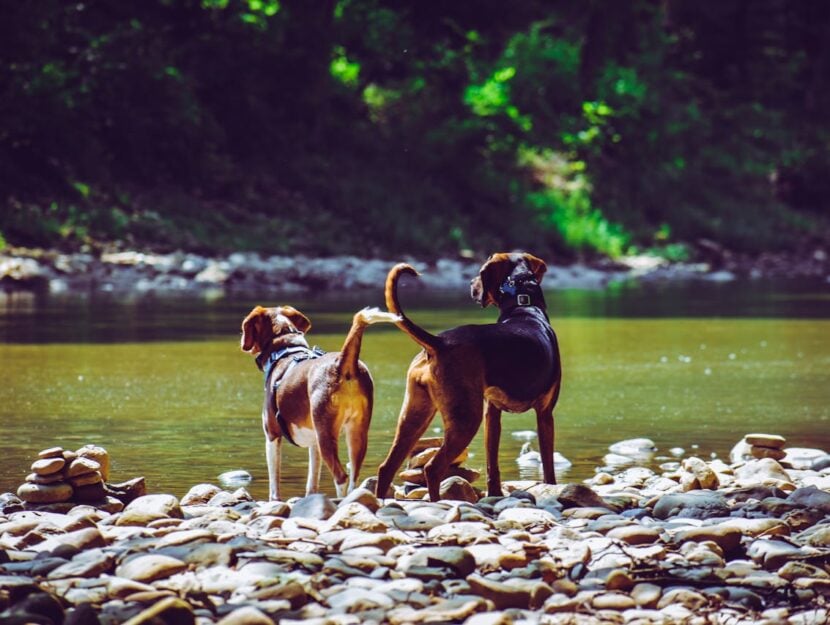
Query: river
[[161, 383]]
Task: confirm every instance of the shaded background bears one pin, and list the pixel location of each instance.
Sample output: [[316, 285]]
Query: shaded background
[[573, 128]]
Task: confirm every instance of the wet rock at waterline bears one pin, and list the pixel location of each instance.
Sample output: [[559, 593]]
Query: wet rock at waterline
[[631, 545]]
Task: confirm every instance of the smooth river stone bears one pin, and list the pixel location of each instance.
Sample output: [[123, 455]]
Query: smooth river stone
[[457, 559], [52, 452], [246, 615], [580, 496], [757, 451], [766, 440], [200, 494], [45, 493], [764, 472], [99, 455], [150, 567], [356, 516], [34, 478], [169, 610], [456, 488], [706, 477], [81, 466], [143, 510], [86, 479], [726, 537], [635, 534], [503, 596], [48, 466]]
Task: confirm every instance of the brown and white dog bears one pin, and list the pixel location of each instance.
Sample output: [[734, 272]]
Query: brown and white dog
[[512, 365], [310, 396]]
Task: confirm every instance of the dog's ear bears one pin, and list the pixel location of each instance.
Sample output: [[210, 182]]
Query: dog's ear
[[254, 327], [537, 266], [491, 275], [298, 319]]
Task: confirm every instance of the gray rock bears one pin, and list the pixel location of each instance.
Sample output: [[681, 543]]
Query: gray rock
[[691, 505], [580, 496], [505, 596], [148, 508], [210, 554], [148, 568], [458, 489], [362, 496], [246, 615], [169, 610], [457, 559], [773, 554], [90, 563], [316, 506], [811, 497], [45, 493], [199, 494]]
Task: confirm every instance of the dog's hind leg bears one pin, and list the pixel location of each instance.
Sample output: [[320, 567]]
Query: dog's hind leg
[[492, 435], [272, 458], [357, 439], [461, 422], [314, 466], [328, 448], [416, 414]]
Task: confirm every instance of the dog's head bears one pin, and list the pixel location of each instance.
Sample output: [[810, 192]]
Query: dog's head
[[263, 325], [484, 288]]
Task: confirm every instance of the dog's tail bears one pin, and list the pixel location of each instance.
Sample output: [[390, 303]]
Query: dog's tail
[[426, 340], [350, 353]]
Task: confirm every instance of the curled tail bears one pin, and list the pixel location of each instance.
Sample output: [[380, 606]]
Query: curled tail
[[350, 352], [426, 340]]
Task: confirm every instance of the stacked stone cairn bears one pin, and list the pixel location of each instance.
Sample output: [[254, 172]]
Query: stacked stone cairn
[[459, 478], [759, 446], [61, 476]]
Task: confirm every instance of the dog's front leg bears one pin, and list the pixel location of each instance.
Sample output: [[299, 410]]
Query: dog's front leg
[[314, 465], [492, 435], [273, 454], [544, 425]]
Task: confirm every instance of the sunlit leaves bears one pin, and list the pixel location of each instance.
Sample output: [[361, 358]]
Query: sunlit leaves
[[562, 202], [492, 97], [81, 188], [344, 70]]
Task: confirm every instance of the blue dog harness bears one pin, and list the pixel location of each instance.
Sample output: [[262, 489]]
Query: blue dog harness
[[300, 353]]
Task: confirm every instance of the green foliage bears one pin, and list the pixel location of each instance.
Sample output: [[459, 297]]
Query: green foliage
[[344, 70], [579, 128]]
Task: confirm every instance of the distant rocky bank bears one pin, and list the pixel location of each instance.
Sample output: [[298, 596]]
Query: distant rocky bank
[[183, 272], [700, 542]]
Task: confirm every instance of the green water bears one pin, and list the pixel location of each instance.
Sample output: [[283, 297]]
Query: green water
[[162, 385]]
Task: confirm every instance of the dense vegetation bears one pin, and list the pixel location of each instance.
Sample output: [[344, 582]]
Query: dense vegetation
[[369, 126]]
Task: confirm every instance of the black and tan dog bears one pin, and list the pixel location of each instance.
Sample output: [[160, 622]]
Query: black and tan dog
[[512, 365], [310, 396]]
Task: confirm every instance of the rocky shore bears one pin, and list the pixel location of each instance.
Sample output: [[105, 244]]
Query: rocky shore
[[702, 541], [181, 272]]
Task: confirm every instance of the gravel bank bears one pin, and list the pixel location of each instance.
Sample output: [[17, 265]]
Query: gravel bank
[[700, 542], [127, 272]]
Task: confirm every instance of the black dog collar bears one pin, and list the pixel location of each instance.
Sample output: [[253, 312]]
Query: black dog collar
[[521, 289]]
